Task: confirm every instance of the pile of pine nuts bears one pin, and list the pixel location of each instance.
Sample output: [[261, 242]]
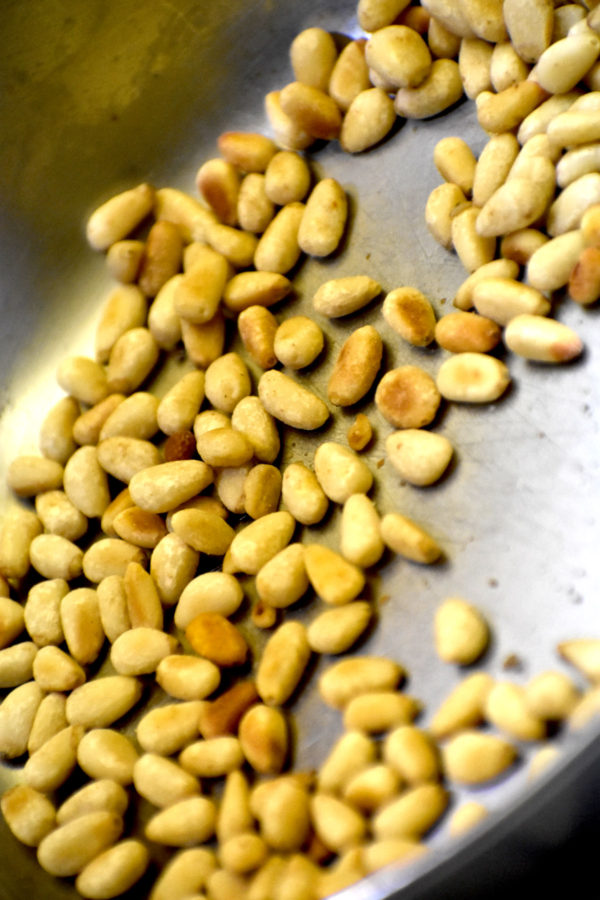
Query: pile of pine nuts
[[197, 477]]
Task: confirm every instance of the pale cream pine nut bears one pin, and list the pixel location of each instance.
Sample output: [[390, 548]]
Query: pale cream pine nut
[[109, 556], [86, 483], [96, 796], [87, 427], [113, 871], [473, 248], [123, 260], [54, 556], [249, 151], [506, 110], [454, 160], [360, 536], [574, 128], [350, 754], [473, 757], [209, 419], [454, 18], [335, 580], [584, 654], [30, 475], [213, 757], [550, 267], [181, 404], [278, 249], [112, 606], [543, 340], [173, 564], [485, 18], [289, 135], [56, 431], [311, 110], [103, 701], [135, 417], [498, 268], [255, 209], [565, 18], [336, 630], [406, 538], [29, 814], [192, 218], [185, 874], [55, 670], [198, 293], [118, 216], [493, 166], [501, 299], [371, 787], [290, 402], [19, 527], [341, 472], [410, 313], [12, 621], [132, 359], [186, 677], [42, 611], [229, 484], [312, 55], [59, 516], [208, 592], [70, 847], [218, 182], [378, 711], [264, 739], [465, 817], [399, 55], [139, 527], [441, 88], [17, 714], [584, 280], [563, 64], [217, 639], [412, 753], [188, 821], [439, 210], [167, 729], [349, 678], [81, 624], [140, 650], [356, 367], [224, 447], [336, 823], [507, 67], [537, 121], [50, 718], [249, 289], [463, 707], [287, 177], [529, 26], [103, 753], [284, 659], [50, 766], [163, 322], [303, 495], [125, 308], [412, 814], [551, 696], [163, 487], [461, 632], [577, 162], [283, 579], [324, 219], [567, 210], [204, 531], [343, 296], [234, 815], [506, 708], [262, 490], [83, 378], [472, 378], [474, 61], [519, 246], [16, 664], [369, 118], [407, 397], [257, 327], [420, 457], [441, 41], [298, 342]]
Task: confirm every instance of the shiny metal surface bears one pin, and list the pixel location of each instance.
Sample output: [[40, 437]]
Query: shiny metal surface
[[98, 96]]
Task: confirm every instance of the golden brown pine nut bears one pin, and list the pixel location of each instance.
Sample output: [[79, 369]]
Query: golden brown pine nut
[[134, 417], [101, 702], [544, 340], [441, 88], [204, 531], [255, 209], [143, 603], [421, 457], [113, 871], [167, 729], [118, 216], [28, 813], [223, 447], [501, 112], [467, 332], [408, 539], [311, 110], [278, 249], [222, 716], [262, 490], [85, 482], [284, 659], [255, 289], [473, 248], [439, 211], [54, 556], [248, 151], [140, 527], [356, 367], [257, 327], [359, 433], [109, 556], [324, 219], [81, 624], [472, 378], [198, 293], [218, 182], [341, 472], [263, 734], [368, 119], [189, 821], [584, 280], [19, 527], [349, 678], [56, 431], [410, 313], [214, 637], [163, 321], [86, 429], [123, 260], [407, 397], [238, 247], [132, 358], [501, 299]]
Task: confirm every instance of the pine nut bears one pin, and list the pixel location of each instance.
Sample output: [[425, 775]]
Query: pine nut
[[412, 814], [278, 250], [19, 527], [324, 219], [135, 417], [282, 664], [59, 516], [472, 378], [85, 482], [498, 268], [377, 711], [463, 707], [140, 527], [139, 650], [209, 592], [218, 182], [117, 217], [441, 205], [222, 716], [263, 734], [342, 296], [88, 426], [474, 62], [114, 871], [311, 110], [297, 342], [70, 847], [125, 308], [187, 678], [96, 796], [161, 488], [574, 128], [334, 579], [408, 539], [173, 564], [50, 718], [506, 67], [12, 621], [55, 670], [550, 267], [109, 556], [541, 339], [349, 755], [537, 121], [336, 630], [204, 531], [411, 752], [577, 162], [410, 313], [29, 475], [189, 821], [349, 678], [421, 457], [336, 823], [529, 25], [493, 166], [399, 55], [283, 813], [257, 327], [356, 367], [461, 633], [164, 323], [563, 64], [186, 873], [106, 754], [131, 361], [584, 280], [16, 664], [465, 817], [167, 729], [369, 118], [56, 431], [407, 397], [360, 539], [112, 606], [441, 88], [41, 613], [17, 714], [199, 292], [474, 247], [501, 299], [287, 178], [214, 637], [584, 654], [454, 160], [371, 787], [234, 815], [254, 208], [28, 813], [340, 471], [313, 54], [551, 696], [54, 556], [102, 702], [474, 757], [249, 151]]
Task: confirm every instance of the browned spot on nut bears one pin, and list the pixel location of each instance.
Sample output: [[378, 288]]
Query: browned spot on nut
[[360, 433], [223, 715], [181, 445], [407, 397]]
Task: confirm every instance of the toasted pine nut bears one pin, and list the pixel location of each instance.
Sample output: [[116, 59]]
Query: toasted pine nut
[[54, 556], [101, 702], [278, 249], [85, 482], [163, 487], [112, 605], [311, 110], [204, 531], [359, 433], [501, 299], [542, 339], [87, 427], [371, 787], [222, 716], [132, 358], [360, 541], [166, 729], [551, 696], [56, 431], [134, 417], [16, 664], [472, 378], [55, 670], [82, 628], [407, 397], [349, 678], [229, 483], [263, 733], [350, 754], [243, 853], [441, 88], [473, 247], [282, 664], [29, 814], [439, 210], [248, 289], [19, 527], [584, 281], [454, 160], [467, 332], [408, 539], [105, 753], [255, 209], [117, 217], [342, 296], [125, 308], [12, 620], [189, 821], [218, 182], [291, 402], [257, 327], [356, 367], [493, 166], [214, 637], [208, 592], [550, 267], [410, 313], [377, 711], [123, 260], [474, 62], [139, 650], [303, 495], [29, 475], [519, 246], [465, 817], [114, 871], [412, 814], [238, 247], [140, 527], [248, 151], [506, 67], [283, 579], [313, 54], [198, 293], [262, 490], [324, 219], [504, 111], [421, 457], [369, 117], [223, 447], [288, 133], [287, 178]]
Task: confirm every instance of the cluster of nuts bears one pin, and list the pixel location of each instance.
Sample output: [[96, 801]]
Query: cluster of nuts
[[192, 505]]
